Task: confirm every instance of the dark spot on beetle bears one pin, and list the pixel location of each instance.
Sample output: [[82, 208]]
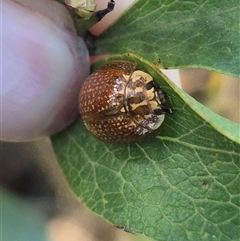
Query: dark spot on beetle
[[158, 111], [149, 85]]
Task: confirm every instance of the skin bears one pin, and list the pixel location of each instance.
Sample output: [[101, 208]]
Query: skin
[[44, 65]]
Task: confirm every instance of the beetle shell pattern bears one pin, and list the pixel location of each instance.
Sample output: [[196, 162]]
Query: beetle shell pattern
[[121, 104]]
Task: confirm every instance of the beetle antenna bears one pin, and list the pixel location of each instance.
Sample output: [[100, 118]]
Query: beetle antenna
[[167, 110]]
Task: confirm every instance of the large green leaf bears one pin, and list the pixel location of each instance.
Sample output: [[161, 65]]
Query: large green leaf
[[182, 184], [193, 33]]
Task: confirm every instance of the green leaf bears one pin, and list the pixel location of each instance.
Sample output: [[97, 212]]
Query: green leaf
[[182, 184], [182, 34]]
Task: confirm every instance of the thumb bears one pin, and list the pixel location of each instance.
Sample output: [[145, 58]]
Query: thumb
[[43, 66]]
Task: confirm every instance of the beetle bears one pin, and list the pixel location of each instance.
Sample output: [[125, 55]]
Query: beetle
[[119, 103]]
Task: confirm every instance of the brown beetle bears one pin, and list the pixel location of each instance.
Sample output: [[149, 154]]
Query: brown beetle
[[121, 104]]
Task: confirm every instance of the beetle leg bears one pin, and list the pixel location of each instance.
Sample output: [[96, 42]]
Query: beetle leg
[[102, 13]]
